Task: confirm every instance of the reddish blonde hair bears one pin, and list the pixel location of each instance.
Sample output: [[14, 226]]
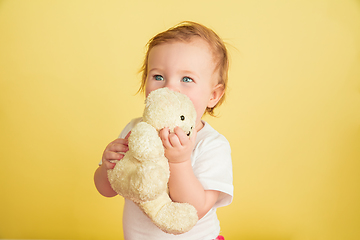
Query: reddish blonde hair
[[185, 32]]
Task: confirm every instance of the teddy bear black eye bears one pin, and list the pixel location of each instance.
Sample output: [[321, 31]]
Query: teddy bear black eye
[[182, 117]]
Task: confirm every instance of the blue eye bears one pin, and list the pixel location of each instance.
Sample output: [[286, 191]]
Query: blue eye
[[158, 78], [187, 79]]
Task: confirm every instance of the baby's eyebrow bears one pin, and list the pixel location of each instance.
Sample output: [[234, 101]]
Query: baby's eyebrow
[[155, 69], [187, 72]]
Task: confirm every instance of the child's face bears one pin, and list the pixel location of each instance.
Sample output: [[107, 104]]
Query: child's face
[[188, 68]]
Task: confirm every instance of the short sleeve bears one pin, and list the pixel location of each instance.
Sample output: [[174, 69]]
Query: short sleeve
[[213, 167], [129, 126]]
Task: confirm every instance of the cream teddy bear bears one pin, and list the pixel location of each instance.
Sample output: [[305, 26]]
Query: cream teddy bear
[[142, 175]]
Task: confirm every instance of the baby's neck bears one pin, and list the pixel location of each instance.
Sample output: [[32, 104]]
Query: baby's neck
[[199, 126]]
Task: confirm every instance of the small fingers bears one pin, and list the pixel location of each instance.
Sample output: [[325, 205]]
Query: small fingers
[[174, 140], [109, 165], [108, 156], [114, 152], [119, 145], [164, 136], [128, 135], [110, 159], [182, 137]]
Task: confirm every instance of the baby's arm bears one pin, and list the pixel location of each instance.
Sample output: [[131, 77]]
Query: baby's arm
[[111, 153], [183, 184]]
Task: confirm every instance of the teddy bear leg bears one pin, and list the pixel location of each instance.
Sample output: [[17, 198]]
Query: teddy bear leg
[[169, 216], [176, 218]]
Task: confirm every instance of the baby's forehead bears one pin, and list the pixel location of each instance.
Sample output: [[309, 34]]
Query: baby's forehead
[[193, 41]]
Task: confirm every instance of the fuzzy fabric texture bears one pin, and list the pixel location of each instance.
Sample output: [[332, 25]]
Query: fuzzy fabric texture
[[142, 175]]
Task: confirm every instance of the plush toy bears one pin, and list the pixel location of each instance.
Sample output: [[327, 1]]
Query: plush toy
[[142, 175]]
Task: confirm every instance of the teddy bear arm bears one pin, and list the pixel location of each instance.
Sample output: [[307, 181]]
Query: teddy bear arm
[[145, 143]]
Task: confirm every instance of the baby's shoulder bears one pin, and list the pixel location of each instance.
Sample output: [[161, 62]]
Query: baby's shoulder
[[208, 138], [209, 134]]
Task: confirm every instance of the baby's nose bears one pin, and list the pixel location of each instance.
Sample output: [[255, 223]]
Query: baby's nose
[[172, 87]]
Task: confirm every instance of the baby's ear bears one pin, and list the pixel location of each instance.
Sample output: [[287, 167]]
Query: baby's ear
[[216, 94]]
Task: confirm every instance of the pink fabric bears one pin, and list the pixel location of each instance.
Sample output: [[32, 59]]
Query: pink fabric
[[220, 238]]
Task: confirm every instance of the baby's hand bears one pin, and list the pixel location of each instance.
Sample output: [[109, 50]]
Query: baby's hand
[[114, 151], [178, 146]]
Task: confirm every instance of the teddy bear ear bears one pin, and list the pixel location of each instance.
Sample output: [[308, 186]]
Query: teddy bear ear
[[149, 100], [156, 94]]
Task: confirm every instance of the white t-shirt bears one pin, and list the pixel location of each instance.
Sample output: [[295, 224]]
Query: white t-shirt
[[211, 162]]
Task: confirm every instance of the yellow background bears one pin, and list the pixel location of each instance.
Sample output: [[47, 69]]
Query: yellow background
[[68, 78]]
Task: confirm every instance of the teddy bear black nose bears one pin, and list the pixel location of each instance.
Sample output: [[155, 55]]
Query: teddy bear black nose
[[182, 117]]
